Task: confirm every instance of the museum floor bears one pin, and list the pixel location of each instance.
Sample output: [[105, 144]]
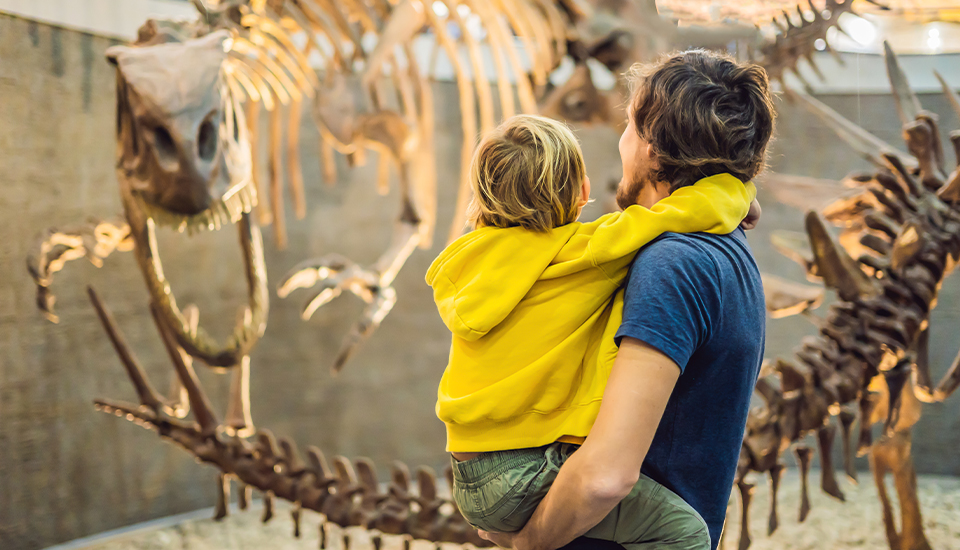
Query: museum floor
[[856, 524]]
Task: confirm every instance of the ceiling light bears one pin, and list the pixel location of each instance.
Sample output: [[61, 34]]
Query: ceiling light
[[934, 42], [861, 30]]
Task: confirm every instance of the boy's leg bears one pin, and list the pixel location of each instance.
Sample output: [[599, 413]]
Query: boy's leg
[[652, 516], [499, 491]]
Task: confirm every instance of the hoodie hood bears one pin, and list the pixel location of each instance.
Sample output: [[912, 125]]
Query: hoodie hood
[[477, 281]]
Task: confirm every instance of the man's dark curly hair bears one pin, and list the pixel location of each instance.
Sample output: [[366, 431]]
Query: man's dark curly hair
[[704, 114]]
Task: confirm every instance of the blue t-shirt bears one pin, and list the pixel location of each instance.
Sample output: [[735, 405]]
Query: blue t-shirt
[[698, 298]]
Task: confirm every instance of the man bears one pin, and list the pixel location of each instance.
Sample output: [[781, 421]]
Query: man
[[691, 340]]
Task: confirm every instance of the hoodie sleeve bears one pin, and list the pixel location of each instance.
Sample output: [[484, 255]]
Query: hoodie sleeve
[[716, 204]]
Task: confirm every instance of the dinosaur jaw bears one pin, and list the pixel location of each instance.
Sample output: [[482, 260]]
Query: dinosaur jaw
[[231, 208], [238, 200]]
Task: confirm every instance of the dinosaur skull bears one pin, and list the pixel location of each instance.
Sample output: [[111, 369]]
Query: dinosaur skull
[[578, 100], [183, 159], [168, 122]]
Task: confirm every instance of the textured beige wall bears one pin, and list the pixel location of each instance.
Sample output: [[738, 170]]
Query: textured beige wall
[[66, 471]]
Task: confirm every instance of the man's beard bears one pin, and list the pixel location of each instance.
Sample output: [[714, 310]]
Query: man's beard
[[628, 192]]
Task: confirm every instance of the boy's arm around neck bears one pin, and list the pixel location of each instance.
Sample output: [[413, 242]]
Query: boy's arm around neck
[[713, 205]]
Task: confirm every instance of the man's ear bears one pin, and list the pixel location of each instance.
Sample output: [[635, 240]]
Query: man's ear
[[651, 154], [585, 191]]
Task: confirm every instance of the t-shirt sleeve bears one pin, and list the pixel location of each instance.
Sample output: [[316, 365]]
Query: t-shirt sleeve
[[671, 298]]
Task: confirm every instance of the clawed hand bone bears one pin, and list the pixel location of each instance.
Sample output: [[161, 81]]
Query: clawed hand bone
[[333, 274], [94, 241]]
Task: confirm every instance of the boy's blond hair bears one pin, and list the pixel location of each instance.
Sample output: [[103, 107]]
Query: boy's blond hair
[[527, 173]]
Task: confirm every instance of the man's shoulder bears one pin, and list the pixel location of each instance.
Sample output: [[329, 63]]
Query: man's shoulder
[[698, 240], [671, 250], [684, 248], [674, 242], [695, 258]]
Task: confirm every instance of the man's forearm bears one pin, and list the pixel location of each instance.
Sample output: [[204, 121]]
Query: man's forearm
[[607, 466], [579, 499]]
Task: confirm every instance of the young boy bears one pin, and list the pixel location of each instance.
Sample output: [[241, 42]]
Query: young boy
[[531, 297]]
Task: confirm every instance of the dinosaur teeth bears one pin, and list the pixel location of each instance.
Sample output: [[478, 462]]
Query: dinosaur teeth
[[239, 200]]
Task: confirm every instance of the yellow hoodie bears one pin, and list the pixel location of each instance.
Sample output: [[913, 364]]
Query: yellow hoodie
[[533, 315]]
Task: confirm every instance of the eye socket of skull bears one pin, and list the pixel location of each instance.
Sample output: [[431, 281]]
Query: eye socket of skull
[[207, 136], [165, 148], [614, 51]]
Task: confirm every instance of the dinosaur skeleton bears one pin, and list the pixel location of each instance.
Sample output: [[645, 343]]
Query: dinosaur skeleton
[[184, 160], [189, 158], [363, 98], [349, 494], [900, 239], [378, 98], [793, 41], [619, 33]]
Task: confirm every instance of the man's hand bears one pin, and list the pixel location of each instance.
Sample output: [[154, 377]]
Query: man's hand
[[753, 216], [503, 540], [606, 467]]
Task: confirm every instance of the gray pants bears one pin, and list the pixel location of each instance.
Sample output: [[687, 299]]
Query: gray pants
[[499, 491]]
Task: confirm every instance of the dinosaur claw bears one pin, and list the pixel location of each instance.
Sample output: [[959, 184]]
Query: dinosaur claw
[[321, 298], [333, 275], [45, 303]]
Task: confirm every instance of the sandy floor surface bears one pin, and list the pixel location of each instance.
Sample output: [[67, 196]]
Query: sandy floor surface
[[835, 525], [832, 525]]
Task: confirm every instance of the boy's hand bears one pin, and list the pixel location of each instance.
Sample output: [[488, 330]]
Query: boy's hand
[[753, 216]]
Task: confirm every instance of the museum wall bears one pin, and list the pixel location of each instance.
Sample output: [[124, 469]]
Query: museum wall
[[67, 471]]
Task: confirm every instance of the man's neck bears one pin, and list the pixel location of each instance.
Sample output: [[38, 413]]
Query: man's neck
[[652, 194]]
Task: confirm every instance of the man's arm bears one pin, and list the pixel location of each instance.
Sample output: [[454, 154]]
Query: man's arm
[[604, 470]]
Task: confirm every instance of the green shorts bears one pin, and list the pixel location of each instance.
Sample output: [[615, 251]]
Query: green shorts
[[499, 491]]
